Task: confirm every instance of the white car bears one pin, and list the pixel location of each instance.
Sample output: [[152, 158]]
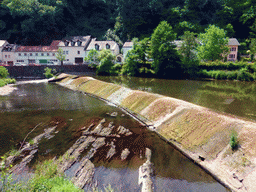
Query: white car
[[52, 63], [19, 64]]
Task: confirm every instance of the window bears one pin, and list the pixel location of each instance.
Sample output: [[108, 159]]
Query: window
[[48, 54], [19, 54], [79, 43], [25, 54], [42, 54], [97, 47], [67, 59], [233, 49], [66, 43], [232, 56], [36, 54], [53, 54], [21, 61], [30, 54], [5, 56], [8, 56], [66, 52], [78, 52], [73, 43], [107, 46]]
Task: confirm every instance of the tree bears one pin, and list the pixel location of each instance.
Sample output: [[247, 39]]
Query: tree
[[60, 56], [187, 50], [137, 58], [93, 56], [3, 72], [166, 59], [213, 44], [253, 48], [106, 66]]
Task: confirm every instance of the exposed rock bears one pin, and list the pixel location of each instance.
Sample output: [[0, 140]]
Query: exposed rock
[[112, 150], [114, 114], [99, 142], [123, 131], [73, 153], [146, 173], [125, 154], [99, 127], [84, 174]]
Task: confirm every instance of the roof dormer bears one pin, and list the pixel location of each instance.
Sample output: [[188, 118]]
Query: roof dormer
[[107, 46], [66, 42], [73, 43], [97, 47], [79, 43]]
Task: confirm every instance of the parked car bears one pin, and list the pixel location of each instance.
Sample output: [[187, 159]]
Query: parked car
[[19, 64], [52, 63]]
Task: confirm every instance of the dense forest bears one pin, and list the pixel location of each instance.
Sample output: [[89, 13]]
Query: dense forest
[[37, 22]]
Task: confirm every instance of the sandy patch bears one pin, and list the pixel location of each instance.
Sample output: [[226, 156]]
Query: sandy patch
[[7, 89]]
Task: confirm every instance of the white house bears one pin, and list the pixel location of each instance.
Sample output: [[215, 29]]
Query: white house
[[36, 54], [99, 45], [127, 47], [2, 44], [74, 48]]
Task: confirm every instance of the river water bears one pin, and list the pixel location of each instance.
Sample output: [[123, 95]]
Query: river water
[[32, 104], [232, 97]]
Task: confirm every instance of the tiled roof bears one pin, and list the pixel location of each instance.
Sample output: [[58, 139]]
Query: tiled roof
[[84, 39], [102, 44], [233, 41], [128, 44], [52, 47]]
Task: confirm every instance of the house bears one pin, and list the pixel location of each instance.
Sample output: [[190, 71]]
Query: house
[[127, 47], [75, 48], [233, 45], [2, 44], [8, 53], [99, 45], [36, 54]]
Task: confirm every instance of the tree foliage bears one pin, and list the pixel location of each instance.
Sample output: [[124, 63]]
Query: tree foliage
[[93, 56], [60, 55], [213, 44], [106, 66], [166, 61]]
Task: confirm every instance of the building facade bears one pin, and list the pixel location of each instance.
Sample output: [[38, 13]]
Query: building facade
[[233, 48]]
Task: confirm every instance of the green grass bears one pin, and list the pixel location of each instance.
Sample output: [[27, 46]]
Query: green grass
[[233, 140]]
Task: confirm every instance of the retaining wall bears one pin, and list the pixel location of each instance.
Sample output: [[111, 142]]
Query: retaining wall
[[200, 133]]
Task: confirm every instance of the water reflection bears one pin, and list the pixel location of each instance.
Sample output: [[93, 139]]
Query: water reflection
[[234, 97]]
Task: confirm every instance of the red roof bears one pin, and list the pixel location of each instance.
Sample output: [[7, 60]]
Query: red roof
[[52, 47]]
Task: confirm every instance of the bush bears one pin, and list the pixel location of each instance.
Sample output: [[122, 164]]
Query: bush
[[233, 140], [244, 75], [232, 75], [3, 72], [2, 82], [48, 73]]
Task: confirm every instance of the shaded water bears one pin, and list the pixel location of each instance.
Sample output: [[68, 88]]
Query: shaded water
[[233, 97], [42, 103]]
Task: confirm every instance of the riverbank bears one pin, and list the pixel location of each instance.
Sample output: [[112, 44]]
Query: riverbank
[[200, 133], [7, 89]]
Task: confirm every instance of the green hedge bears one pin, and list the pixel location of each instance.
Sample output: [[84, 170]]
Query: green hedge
[[231, 66]]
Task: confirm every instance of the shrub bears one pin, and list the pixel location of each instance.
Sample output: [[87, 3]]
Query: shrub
[[232, 75], [2, 82], [48, 73], [3, 72], [220, 75], [244, 75], [233, 140]]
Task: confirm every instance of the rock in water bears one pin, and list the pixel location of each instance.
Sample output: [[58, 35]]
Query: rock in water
[[84, 174], [146, 173], [125, 154]]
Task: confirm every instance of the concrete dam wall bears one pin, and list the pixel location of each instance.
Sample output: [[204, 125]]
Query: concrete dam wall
[[200, 133]]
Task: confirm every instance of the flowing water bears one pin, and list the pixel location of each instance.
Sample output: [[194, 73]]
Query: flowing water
[[232, 97], [32, 104]]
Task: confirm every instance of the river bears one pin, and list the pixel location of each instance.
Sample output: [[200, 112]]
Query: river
[[231, 97], [32, 104]]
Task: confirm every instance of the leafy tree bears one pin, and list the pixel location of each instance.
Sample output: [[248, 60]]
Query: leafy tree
[[60, 55], [3, 72], [106, 66], [253, 48], [137, 58], [166, 59], [213, 44], [188, 52], [93, 56]]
